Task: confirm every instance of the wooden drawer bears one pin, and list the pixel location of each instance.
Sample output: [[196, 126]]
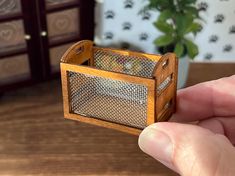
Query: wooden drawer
[[13, 69], [12, 36], [63, 25]]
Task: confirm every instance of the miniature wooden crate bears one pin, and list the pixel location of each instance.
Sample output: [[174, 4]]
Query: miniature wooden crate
[[118, 89]]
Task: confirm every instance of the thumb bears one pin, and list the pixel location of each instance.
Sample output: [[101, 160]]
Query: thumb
[[189, 149]]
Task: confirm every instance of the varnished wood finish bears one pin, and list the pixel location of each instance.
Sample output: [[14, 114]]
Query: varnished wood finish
[[67, 114], [33, 16], [149, 83], [29, 9], [78, 53], [107, 74], [103, 123], [200, 72], [167, 66], [65, 92], [151, 103], [36, 139], [83, 51]]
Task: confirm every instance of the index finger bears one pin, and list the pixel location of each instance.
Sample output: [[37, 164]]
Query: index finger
[[205, 100]]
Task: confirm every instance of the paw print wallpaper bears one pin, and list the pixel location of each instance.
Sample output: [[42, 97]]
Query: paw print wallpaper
[[119, 23]]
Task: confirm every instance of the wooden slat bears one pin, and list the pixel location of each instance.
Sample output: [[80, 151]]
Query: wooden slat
[[65, 90], [151, 104], [161, 72], [112, 75], [103, 123], [165, 97]]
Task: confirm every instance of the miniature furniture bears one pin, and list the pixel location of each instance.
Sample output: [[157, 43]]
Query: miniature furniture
[[118, 89], [34, 34]]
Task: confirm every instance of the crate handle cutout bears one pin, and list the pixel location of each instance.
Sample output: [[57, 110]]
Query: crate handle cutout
[[118, 89], [80, 50], [165, 63]]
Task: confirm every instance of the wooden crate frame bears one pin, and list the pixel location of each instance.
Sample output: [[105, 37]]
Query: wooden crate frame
[[158, 106]]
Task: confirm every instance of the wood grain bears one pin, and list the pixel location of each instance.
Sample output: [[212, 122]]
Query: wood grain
[[35, 139], [78, 53], [107, 74], [200, 72], [149, 83], [166, 67], [84, 50]]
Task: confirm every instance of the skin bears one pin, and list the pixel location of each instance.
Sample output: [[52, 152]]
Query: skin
[[200, 137]]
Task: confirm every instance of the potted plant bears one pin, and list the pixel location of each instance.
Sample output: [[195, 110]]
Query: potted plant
[[179, 23]]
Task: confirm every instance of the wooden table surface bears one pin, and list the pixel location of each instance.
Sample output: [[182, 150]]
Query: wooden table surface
[[36, 140]]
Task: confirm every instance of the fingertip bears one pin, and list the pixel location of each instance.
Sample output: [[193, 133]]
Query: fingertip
[[167, 142], [156, 143]]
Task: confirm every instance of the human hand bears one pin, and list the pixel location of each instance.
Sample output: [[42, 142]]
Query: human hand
[[202, 144]]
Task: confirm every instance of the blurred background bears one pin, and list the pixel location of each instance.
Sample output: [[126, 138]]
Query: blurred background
[[215, 40], [34, 34]]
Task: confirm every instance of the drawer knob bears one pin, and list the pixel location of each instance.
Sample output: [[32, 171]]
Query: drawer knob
[[43, 33], [27, 37]]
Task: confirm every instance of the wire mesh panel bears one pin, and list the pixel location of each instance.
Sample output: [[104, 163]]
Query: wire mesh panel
[[107, 99], [132, 65], [164, 84]]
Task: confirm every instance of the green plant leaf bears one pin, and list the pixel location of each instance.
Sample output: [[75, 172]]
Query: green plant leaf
[[179, 49], [183, 21], [192, 48], [164, 40], [164, 27], [194, 27], [193, 10], [189, 1], [164, 15], [159, 4]]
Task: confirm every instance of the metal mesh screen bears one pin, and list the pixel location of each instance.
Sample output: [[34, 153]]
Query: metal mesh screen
[[164, 84], [132, 65], [106, 99]]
